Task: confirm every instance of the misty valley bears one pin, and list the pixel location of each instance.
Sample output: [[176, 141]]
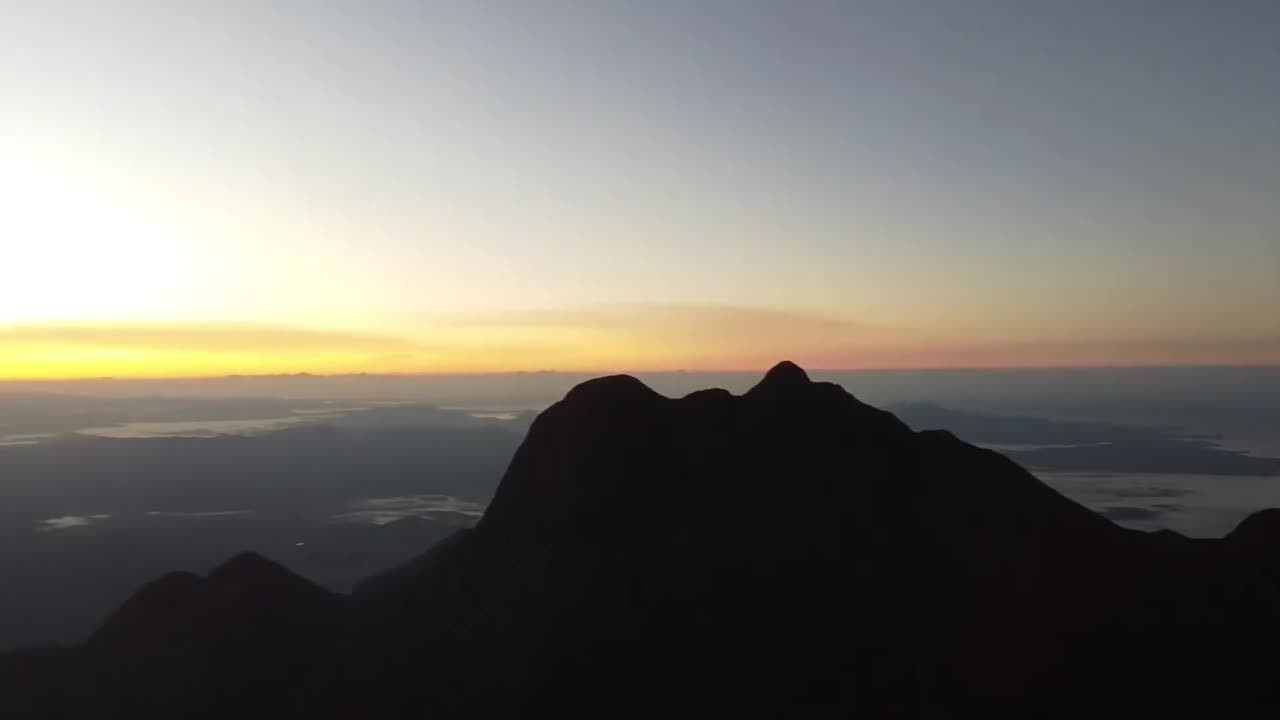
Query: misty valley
[[101, 494]]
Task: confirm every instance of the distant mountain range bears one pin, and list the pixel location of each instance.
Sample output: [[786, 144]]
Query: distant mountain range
[[789, 552], [1080, 446]]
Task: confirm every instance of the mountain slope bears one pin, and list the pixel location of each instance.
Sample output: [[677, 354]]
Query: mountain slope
[[767, 541]]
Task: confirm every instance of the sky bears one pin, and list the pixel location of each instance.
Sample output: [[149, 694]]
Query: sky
[[204, 188]]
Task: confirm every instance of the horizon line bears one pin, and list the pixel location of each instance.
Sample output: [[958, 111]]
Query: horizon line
[[305, 375]]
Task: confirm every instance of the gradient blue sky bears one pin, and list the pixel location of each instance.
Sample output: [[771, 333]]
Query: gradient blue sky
[[207, 187]]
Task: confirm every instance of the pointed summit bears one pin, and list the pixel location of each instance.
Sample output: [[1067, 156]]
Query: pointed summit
[[784, 375], [787, 371], [247, 565], [251, 572]]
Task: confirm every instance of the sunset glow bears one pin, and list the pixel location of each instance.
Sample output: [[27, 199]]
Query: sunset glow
[[227, 188]]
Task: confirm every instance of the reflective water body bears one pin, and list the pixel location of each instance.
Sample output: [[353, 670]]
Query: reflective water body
[[204, 428], [70, 521], [380, 511], [27, 439], [212, 513]]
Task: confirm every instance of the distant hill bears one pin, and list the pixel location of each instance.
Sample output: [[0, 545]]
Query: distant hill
[[1078, 446]]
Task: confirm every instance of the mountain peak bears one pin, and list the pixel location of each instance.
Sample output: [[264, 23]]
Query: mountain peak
[[251, 571], [1260, 532], [246, 565], [785, 374]]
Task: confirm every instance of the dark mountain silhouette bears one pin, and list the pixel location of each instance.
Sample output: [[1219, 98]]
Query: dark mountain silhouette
[[790, 552]]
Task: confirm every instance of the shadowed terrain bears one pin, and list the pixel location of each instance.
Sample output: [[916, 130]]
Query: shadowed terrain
[[788, 552]]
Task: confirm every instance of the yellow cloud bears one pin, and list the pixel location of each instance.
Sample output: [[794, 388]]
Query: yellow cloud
[[626, 337], [632, 337], [64, 351], [199, 338]]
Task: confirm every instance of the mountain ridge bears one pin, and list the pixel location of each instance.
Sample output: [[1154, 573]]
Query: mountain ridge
[[787, 552]]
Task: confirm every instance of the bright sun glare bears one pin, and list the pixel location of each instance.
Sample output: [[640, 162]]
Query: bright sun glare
[[74, 252]]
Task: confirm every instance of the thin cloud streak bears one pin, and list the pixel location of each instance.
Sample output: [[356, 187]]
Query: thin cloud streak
[[214, 338]]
